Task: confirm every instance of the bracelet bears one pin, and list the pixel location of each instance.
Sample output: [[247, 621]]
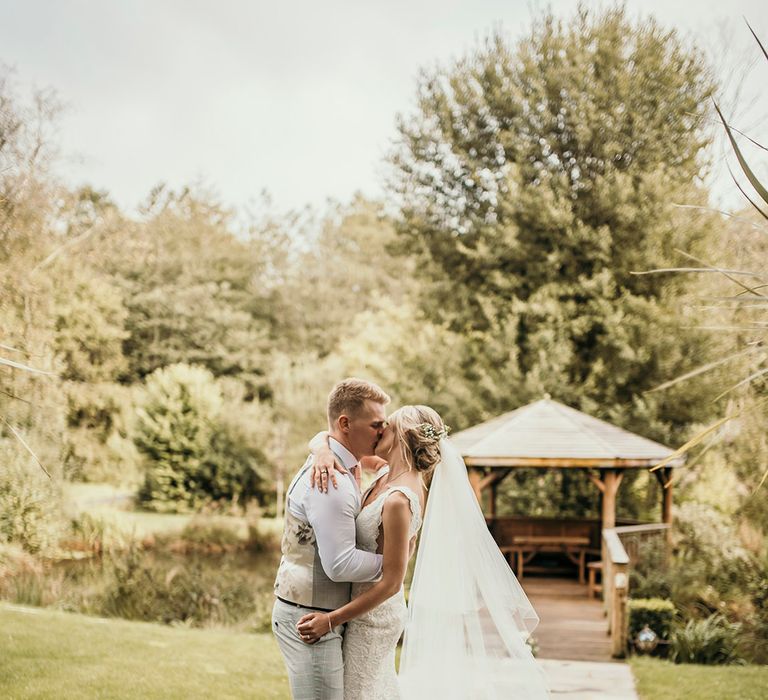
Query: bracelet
[[330, 629]]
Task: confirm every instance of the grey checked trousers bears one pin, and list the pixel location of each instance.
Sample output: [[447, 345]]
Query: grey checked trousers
[[315, 671]]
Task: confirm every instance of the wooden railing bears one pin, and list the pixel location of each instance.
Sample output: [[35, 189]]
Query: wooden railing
[[616, 565]]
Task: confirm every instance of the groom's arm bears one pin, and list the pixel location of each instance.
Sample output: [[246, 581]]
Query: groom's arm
[[332, 516]]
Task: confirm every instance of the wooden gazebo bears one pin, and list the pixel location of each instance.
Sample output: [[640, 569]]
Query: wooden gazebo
[[549, 435]]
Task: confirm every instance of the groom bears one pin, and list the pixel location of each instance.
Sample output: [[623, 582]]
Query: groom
[[320, 558]]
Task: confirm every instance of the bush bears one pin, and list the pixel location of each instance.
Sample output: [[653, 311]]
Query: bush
[[208, 533], [174, 431], [262, 617], [755, 638], [98, 446], [709, 545], [710, 565], [89, 533], [712, 640], [658, 614], [650, 575], [89, 322], [30, 502], [194, 451], [15, 561], [141, 588]]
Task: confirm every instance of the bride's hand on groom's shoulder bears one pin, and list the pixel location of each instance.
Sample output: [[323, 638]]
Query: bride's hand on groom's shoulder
[[324, 468]]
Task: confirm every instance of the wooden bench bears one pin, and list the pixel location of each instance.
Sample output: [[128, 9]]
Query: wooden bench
[[594, 589], [525, 547]]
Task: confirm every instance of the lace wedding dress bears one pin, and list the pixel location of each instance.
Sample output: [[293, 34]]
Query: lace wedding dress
[[370, 640]]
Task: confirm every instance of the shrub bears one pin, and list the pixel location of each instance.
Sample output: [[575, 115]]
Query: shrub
[[194, 450], [14, 561], [89, 533], [712, 640], [260, 538], [89, 323], [710, 566], [650, 574], [141, 588], [262, 617], [31, 588], [98, 446], [657, 613], [30, 503], [756, 629], [228, 471], [206, 533], [174, 430]]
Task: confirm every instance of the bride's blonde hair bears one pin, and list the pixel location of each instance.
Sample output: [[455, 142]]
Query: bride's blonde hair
[[417, 431]]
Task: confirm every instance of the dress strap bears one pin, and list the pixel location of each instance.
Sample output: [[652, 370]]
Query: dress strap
[[413, 501]]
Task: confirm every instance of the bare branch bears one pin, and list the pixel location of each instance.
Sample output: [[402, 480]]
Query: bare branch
[[28, 448]]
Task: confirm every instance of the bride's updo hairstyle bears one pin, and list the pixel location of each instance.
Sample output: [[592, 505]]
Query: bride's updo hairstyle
[[417, 431]]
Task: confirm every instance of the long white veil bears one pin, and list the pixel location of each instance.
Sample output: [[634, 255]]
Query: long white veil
[[468, 616]]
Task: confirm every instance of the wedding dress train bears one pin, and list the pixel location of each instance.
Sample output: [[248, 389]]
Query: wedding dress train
[[468, 618]]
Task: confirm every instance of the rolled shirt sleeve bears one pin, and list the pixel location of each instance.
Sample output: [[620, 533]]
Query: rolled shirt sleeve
[[332, 516]]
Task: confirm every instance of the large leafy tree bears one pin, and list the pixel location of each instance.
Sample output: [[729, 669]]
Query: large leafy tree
[[344, 266], [196, 289], [533, 179]]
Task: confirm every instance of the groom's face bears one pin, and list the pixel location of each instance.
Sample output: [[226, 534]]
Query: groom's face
[[365, 429]]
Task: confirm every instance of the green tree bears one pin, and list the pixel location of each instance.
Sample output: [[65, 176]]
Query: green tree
[[196, 289], [347, 267], [533, 179], [194, 452], [90, 327], [31, 404]]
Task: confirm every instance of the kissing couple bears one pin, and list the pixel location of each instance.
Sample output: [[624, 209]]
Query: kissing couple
[[340, 607]]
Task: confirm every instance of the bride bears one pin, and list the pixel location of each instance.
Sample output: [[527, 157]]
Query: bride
[[467, 619]]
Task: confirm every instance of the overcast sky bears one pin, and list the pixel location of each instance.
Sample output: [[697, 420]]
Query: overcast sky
[[296, 98]]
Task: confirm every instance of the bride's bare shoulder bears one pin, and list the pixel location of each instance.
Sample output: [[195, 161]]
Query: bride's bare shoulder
[[405, 503], [397, 509]]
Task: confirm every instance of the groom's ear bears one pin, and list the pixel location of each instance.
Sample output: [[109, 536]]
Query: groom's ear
[[343, 422]]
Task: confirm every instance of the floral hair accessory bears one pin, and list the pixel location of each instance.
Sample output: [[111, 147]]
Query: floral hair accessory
[[430, 431]]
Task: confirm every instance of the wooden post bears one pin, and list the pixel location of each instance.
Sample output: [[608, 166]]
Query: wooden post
[[666, 497], [611, 480], [619, 617], [475, 477], [666, 512], [664, 477], [615, 589], [494, 488]]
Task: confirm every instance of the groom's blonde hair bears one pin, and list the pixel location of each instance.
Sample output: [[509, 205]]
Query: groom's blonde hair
[[349, 396]]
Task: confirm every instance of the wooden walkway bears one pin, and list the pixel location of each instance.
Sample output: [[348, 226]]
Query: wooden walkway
[[572, 627]]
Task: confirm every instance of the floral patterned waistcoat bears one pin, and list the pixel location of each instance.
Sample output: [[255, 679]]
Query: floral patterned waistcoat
[[300, 577]]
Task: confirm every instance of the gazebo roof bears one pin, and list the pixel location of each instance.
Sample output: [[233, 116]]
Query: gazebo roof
[[547, 433]]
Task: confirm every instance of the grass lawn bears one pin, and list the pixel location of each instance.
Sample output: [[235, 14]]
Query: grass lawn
[[114, 506], [46, 654], [657, 679]]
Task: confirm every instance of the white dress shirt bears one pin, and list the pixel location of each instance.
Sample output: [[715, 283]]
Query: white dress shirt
[[332, 517]]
